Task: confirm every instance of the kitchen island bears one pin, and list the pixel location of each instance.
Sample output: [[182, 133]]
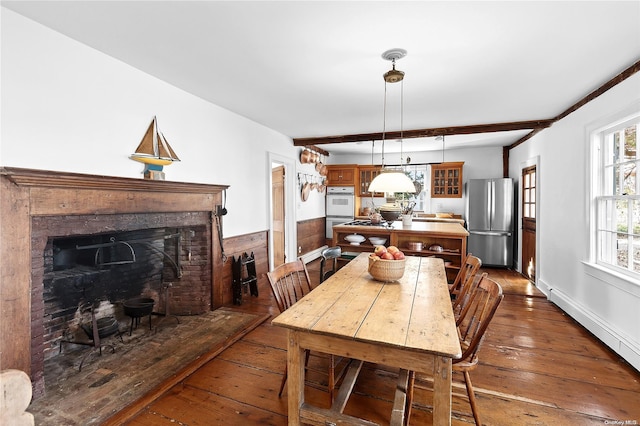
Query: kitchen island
[[452, 237]]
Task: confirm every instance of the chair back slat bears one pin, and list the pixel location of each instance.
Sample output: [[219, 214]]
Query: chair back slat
[[481, 306], [469, 268], [465, 282], [289, 283]]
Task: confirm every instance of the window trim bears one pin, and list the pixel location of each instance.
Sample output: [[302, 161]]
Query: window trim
[[595, 134]]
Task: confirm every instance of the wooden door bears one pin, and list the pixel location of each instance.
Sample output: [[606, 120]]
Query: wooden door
[[529, 199], [277, 195]]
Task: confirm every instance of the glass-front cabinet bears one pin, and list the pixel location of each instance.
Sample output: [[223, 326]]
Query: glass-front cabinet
[[366, 174], [446, 180]]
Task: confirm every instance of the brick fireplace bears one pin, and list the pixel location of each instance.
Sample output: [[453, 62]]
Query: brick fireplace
[[46, 215]]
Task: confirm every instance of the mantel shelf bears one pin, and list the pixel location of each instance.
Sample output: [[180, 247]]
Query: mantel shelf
[[52, 179]]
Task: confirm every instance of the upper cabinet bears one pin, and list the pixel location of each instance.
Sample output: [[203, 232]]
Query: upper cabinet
[[341, 175], [365, 175], [446, 180]]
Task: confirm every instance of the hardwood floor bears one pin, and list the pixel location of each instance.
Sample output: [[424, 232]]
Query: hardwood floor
[[537, 367]]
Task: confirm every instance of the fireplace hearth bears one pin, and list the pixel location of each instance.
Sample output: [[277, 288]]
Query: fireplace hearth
[[72, 239]]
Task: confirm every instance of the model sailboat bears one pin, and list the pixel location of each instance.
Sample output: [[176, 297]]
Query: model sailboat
[[155, 152]]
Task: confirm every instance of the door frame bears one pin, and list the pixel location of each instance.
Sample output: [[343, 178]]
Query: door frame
[[290, 236], [534, 161]]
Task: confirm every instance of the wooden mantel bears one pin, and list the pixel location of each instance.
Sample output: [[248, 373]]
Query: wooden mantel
[[27, 193]]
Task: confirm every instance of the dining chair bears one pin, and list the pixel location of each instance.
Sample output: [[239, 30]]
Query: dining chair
[[329, 258], [483, 302], [290, 282], [466, 280], [470, 265]]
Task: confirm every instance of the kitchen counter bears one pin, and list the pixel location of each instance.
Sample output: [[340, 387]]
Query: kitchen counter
[[451, 236], [430, 218]]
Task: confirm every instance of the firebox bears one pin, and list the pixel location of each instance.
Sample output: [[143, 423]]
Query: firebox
[[104, 271]]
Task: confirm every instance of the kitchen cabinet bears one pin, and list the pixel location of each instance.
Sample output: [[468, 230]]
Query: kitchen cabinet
[[446, 180], [365, 175], [452, 237], [341, 175]]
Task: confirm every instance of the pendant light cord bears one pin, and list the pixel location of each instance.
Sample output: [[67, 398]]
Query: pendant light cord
[[401, 123], [384, 122]]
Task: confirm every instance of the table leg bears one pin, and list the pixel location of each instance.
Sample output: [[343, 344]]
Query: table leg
[[295, 377], [442, 391]]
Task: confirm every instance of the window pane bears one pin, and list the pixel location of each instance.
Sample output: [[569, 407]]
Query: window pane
[[636, 218], [526, 210], [636, 254], [609, 149], [526, 195], [533, 179], [608, 247], [622, 218], [629, 178], [533, 195], [628, 137], [526, 180], [533, 212], [622, 259]]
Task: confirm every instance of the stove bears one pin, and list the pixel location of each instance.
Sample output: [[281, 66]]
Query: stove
[[383, 224]]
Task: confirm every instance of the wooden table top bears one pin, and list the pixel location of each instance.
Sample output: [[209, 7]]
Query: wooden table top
[[413, 313]]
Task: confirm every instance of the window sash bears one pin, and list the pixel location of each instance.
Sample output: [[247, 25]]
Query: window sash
[[618, 200]]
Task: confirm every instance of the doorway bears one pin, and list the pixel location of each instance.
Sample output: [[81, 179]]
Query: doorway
[[529, 205], [285, 204], [278, 214]]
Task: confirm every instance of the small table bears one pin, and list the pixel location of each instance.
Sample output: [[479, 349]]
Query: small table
[[407, 324]]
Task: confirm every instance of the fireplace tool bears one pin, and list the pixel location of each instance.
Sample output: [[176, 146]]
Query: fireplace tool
[[99, 329], [166, 312]]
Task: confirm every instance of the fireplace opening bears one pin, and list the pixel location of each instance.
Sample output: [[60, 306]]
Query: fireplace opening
[[104, 271], [88, 279]]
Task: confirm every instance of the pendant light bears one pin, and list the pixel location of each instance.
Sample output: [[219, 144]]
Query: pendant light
[[391, 181]]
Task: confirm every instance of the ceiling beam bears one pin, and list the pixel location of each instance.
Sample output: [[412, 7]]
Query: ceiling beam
[[591, 96], [534, 125], [423, 133]]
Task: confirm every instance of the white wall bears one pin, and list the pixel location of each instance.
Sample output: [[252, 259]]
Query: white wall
[[607, 305], [68, 107]]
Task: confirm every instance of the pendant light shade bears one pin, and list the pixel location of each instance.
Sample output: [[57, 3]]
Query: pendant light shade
[[392, 181]]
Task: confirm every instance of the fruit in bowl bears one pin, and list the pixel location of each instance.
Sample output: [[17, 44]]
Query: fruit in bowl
[[386, 263]]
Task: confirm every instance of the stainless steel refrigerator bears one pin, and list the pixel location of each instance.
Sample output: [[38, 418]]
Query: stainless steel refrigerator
[[490, 220]]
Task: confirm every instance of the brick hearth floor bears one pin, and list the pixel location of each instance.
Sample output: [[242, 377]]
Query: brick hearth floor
[[110, 382]]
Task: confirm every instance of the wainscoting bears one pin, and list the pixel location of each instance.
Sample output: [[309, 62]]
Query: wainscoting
[[310, 235]]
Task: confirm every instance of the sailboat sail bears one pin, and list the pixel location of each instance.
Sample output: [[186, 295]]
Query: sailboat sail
[[154, 148]]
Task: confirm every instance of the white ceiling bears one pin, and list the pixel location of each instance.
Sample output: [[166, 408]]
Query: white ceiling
[[314, 68]]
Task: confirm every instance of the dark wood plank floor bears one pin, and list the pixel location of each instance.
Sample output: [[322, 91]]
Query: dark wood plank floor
[[538, 367]]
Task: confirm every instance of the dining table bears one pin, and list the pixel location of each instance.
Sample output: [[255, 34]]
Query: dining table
[[407, 323]]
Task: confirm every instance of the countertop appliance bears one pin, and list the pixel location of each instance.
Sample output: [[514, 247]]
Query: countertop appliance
[[340, 207], [490, 220]]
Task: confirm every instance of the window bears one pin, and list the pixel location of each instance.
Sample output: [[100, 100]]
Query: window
[[617, 196]]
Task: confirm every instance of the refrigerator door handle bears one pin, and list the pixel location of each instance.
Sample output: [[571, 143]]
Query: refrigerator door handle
[[491, 233], [490, 203]]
